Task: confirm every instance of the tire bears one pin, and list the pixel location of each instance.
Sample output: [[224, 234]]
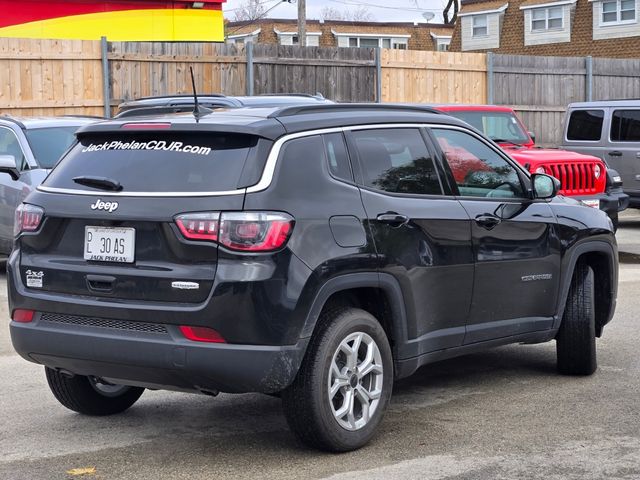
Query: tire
[[88, 396], [576, 339], [323, 423]]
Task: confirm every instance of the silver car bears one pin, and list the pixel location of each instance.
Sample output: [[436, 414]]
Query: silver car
[[29, 148]]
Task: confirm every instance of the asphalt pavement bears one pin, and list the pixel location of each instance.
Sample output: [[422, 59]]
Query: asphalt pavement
[[501, 414]]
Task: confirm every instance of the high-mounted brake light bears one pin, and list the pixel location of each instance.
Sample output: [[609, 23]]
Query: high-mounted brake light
[[27, 218], [22, 316], [146, 126], [202, 334], [240, 231]]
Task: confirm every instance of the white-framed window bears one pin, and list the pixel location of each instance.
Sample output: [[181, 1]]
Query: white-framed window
[[550, 18], [292, 38], [442, 44], [479, 26], [618, 11], [379, 42]]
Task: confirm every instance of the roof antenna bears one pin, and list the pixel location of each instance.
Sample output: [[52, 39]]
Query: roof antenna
[[197, 111]]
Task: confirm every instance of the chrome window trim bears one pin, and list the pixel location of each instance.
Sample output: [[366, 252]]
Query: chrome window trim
[[106, 193], [272, 161]]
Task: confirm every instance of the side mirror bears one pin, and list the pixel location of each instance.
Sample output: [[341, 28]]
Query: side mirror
[[533, 136], [544, 186], [8, 165]]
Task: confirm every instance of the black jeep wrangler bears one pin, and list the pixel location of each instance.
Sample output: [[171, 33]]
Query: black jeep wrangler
[[317, 252]]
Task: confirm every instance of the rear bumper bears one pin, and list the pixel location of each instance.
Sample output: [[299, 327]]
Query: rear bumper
[[162, 360]]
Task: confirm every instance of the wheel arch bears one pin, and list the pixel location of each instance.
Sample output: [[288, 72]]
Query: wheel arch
[[601, 256], [378, 293]]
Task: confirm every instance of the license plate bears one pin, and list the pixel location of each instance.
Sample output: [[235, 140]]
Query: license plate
[[107, 244], [592, 203]]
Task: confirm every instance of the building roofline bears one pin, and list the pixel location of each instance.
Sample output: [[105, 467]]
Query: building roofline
[[550, 3], [308, 34], [338, 22], [245, 34], [484, 12]]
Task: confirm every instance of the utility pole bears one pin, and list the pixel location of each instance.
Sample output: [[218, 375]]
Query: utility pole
[[302, 23]]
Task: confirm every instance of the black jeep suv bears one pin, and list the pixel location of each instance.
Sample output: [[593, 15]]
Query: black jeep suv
[[316, 252]]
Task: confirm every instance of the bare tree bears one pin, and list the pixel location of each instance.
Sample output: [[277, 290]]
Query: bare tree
[[358, 14], [451, 17], [330, 13], [249, 10]]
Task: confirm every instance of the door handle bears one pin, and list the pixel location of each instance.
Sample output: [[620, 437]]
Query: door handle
[[100, 283], [488, 221], [615, 153], [393, 219]]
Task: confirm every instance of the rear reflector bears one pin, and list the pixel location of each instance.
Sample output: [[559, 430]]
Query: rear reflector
[[202, 334], [22, 316], [146, 126], [240, 231]]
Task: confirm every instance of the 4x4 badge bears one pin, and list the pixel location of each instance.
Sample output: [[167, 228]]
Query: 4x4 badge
[[106, 206]]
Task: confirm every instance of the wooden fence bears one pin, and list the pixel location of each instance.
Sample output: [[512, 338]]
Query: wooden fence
[[50, 77], [414, 76], [58, 77]]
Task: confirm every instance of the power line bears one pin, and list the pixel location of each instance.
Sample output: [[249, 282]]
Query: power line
[[229, 10], [260, 17], [355, 3]]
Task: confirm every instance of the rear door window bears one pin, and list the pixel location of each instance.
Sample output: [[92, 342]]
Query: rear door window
[[397, 160], [625, 126], [585, 125], [170, 162]]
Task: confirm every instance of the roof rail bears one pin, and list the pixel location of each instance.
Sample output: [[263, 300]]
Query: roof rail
[[354, 107], [9, 118], [179, 95], [97, 117], [303, 95]]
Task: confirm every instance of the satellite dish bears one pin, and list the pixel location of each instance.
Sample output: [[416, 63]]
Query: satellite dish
[[428, 16]]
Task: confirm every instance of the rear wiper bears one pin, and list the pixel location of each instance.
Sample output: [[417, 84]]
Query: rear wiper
[[102, 183]]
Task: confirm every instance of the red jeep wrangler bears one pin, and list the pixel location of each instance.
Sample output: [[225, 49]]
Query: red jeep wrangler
[[583, 177]]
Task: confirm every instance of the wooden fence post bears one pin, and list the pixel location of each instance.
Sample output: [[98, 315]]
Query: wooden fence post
[[490, 98], [106, 86], [378, 75], [249, 76], [589, 78]]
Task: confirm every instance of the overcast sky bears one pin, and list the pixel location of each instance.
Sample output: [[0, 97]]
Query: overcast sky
[[383, 11]]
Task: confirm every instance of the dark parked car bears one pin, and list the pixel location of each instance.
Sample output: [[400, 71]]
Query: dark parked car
[[29, 148], [184, 103], [316, 252]]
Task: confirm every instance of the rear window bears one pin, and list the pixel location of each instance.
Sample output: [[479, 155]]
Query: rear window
[[585, 125], [625, 126], [48, 144], [152, 162]]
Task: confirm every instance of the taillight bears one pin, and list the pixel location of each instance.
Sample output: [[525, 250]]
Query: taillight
[[22, 316], [27, 218], [202, 334], [241, 231], [199, 226]]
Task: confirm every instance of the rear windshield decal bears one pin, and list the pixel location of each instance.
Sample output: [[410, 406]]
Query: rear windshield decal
[[158, 145]]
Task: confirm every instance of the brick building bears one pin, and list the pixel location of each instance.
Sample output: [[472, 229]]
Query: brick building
[[333, 33], [601, 28]]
